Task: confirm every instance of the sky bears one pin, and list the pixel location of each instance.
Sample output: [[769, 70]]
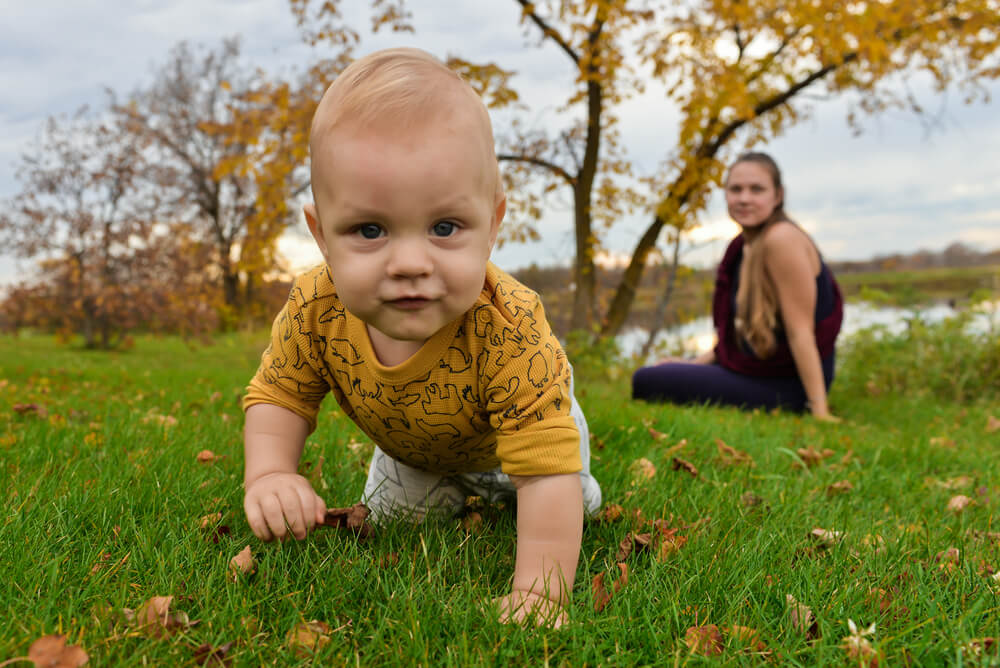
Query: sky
[[904, 184]]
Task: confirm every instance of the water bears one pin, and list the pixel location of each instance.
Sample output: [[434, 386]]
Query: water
[[698, 335]]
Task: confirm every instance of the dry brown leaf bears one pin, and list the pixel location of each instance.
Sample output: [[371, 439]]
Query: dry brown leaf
[[748, 637], [642, 470], [992, 424], [679, 464], [811, 456], [978, 646], [942, 442], [52, 650], [801, 617], [951, 555], [610, 513], [353, 518], [840, 487], [958, 503], [873, 389], [473, 522], [30, 409], [751, 500], [601, 595], [210, 520], [208, 457], [657, 435], [668, 542], [156, 619], [308, 637], [958, 482], [730, 456], [704, 640], [242, 564], [633, 542], [206, 655]]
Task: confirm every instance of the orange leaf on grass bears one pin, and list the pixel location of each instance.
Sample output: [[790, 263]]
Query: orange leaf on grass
[[811, 456], [207, 457], [705, 640], [659, 436], [679, 464], [353, 518], [730, 456], [601, 595], [156, 619], [473, 522], [307, 637], [992, 424], [52, 650], [642, 470], [839, 487], [206, 655], [30, 409], [668, 541], [610, 513], [633, 542], [958, 503], [801, 618], [826, 537], [242, 564]]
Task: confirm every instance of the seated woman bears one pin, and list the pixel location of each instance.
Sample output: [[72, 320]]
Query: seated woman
[[777, 311]]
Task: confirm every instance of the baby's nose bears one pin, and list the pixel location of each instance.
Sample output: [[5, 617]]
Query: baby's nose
[[409, 258]]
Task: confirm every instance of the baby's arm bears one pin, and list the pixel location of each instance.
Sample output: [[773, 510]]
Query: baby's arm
[[549, 531], [277, 499]]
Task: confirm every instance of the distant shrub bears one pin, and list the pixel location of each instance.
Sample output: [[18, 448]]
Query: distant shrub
[[947, 360]]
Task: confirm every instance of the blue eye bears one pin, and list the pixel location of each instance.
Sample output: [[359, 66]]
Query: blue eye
[[445, 228], [370, 231]]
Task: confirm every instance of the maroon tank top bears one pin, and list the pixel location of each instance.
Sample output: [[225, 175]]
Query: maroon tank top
[[735, 354]]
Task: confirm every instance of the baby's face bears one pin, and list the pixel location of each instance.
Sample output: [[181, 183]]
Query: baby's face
[[406, 221]]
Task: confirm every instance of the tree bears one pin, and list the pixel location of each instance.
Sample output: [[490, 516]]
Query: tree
[[106, 265], [190, 117], [739, 73]]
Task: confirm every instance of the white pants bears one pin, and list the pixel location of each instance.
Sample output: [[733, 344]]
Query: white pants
[[394, 488]]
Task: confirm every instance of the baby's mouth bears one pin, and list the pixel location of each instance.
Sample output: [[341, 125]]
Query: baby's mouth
[[410, 303]]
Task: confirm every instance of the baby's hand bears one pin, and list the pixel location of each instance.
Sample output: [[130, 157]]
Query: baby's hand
[[520, 606], [279, 503]]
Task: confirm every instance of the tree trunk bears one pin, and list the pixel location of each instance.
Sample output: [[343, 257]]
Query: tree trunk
[[621, 303]]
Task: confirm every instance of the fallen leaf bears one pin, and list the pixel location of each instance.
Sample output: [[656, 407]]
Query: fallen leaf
[[811, 456], [206, 655], [704, 640], [679, 464], [633, 542], [52, 650], [826, 537], [475, 503], [839, 487], [610, 513], [353, 518], [30, 409], [209, 521], [801, 617], [958, 503], [155, 618], [668, 542], [473, 522], [958, 482], [391, 559], [601, 594], [658, 436], [873, 389], [215, 396], [208, 457], [942, 442], [307, 637], [992, 424], [242, 564], [642, 470], [730, 456], [978, 646], [748, 637], [949, 556], [857, 647], [751, 500]]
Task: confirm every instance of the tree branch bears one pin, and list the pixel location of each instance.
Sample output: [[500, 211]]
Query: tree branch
[[547, 30], [539, 162]]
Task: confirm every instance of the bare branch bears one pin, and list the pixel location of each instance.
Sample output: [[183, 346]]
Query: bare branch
[[548, 31], [540, 162]]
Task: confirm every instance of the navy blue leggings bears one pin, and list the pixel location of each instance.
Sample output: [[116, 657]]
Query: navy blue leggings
[[687, 383]]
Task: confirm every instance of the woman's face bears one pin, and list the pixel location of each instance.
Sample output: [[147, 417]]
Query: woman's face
[[750, 194]]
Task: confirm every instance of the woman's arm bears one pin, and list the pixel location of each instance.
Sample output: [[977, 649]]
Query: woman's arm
[[790, 260]]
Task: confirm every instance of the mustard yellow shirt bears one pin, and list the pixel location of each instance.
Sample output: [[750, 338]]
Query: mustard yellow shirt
[[491, 388]]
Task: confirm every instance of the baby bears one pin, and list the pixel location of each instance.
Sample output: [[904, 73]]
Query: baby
[[444, 361]]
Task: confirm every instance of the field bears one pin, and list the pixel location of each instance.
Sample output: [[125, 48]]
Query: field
[[765, 553]]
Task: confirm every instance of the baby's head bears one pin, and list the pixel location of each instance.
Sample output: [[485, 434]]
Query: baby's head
[[408, 198]]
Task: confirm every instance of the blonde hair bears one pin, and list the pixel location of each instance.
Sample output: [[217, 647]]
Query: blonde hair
[[405, 86], [757, 296]]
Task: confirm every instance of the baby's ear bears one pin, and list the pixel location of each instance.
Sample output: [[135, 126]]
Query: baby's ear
[[312, 220], [498, 214]]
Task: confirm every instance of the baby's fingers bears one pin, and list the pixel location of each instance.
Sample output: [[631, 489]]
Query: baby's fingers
[[255, 518]]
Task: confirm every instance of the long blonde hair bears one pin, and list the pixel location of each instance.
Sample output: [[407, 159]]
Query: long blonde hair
[[757, 296]]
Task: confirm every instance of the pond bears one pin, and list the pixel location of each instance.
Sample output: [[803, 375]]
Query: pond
[[698, 335]]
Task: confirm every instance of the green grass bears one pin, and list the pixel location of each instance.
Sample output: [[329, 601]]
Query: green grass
[[100, 475]]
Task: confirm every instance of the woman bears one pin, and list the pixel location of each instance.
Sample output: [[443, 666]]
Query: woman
[[777, 311]]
